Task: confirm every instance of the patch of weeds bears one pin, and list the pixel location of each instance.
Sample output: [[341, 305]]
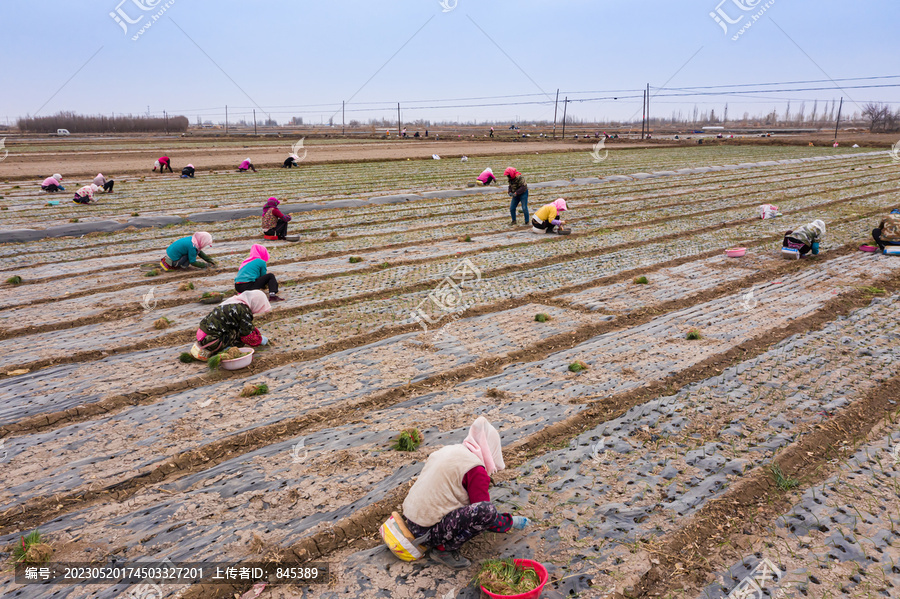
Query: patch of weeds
[[504, 577], [409, 440], [872, 290], [542, 317], [384, 265], [355, 259], [783, 482], [693, 335], [162, 323], [577, 366], [186, 357], [14, 280], [641, 280], [32, 550], [250, 390], [152, 273]]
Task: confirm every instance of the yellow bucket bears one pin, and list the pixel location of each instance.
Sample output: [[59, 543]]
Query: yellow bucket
[[399, 540]]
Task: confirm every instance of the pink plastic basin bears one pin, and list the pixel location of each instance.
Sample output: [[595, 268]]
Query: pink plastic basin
[[239, 363], [735, 252], [867, 248], [534, 594]]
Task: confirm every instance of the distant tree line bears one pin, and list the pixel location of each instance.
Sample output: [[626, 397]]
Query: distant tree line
[[78, 123], [881, 118]]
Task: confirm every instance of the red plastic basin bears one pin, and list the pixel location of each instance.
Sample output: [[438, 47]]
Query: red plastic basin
[[533, 594]]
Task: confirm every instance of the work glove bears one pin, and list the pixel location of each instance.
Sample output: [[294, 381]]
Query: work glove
[[265, 340], [815, 247], [520, 522]]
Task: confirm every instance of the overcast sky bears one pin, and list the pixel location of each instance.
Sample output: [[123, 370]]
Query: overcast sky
[[280, 57]]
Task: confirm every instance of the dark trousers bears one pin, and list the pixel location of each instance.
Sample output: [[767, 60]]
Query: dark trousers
[[187, 172], [790, 242], [546, 225], [515, 202], [51, 188], [876, 235], [267, 280], [280, 230], [462, 524], [289, 163], [108, 186], [163, 167]]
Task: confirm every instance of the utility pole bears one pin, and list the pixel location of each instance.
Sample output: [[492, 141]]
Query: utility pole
[[166, 116], [254, 121], [343, 107], [555, 108], [838, 122], [565, 107], [648, 110], [398, 119], [226, 119], [643, 111]]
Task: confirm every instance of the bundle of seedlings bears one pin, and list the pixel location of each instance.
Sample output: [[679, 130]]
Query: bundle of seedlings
[[504, 577], [409, 440]]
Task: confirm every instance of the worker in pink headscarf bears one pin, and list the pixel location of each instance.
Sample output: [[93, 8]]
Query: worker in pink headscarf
[[518, 192], [186, 251], [486, 177], [274, 222], [547, 218], [253, 273], [231, 324], [450, 501]]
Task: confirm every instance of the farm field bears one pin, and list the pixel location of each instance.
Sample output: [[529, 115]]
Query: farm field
[[763, 452]]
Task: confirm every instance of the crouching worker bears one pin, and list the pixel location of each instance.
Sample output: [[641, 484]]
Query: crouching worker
[[291, 161], [162, 163], [888, 231], [806, 238], [186, 251], [450, 501], [104, 182], [85, 195], [246, 165], [274, 222], [546, 219], [53, 184], [252, 273], [486, 177], [230, 324], [187, 172]]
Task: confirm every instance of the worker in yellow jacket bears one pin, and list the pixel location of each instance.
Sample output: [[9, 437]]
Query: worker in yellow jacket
[[546, 219]]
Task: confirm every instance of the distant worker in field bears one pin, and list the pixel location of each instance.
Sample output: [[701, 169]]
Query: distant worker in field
[[492, 132], [291, 161], [451, 501], [274, 222], [230, 324], [85, 195], [547, 218], [188, 172], [486, 177], [246, 165], [253, 273], [53, 184], [162, 164], [518, 191], [888, 231], [104, 182], [186, 250], [805, 239]]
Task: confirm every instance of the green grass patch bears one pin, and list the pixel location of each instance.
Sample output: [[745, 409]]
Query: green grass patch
[[408, 440], [14, 280], [542, 317], [355, 259], [186, 357], [152, 273], [577, 366], [641, 280], [785, 483], [32, 550], [693, 335], [873, 290]]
